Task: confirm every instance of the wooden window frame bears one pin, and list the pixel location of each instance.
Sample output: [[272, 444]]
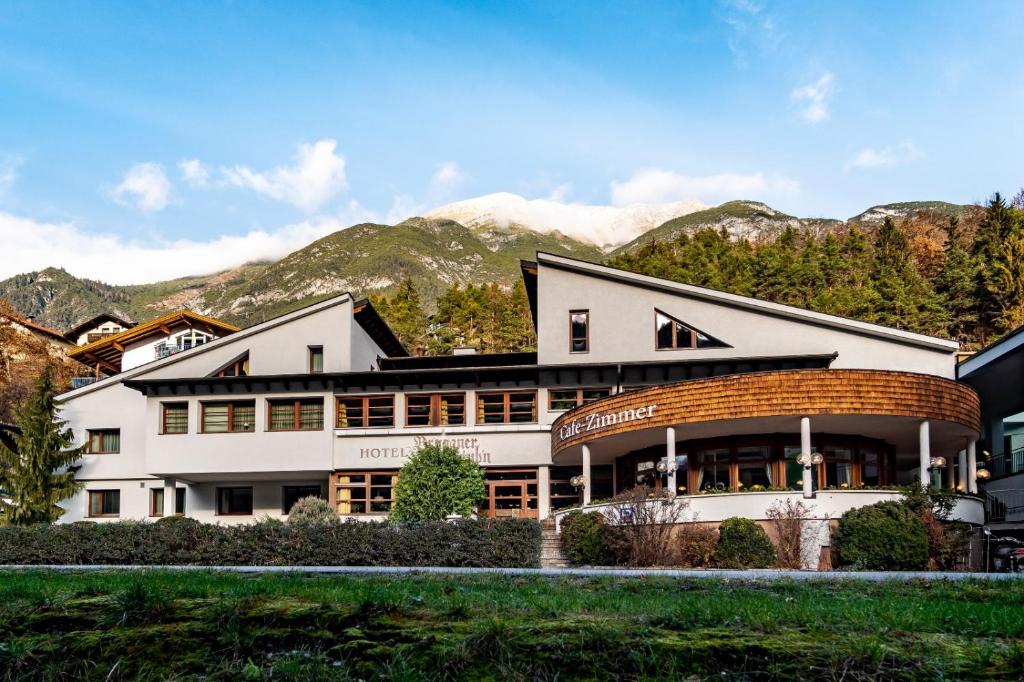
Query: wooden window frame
[[434, 416], [367, 485], [103, 493], [235, 366], [285, 509], [586, 337], [296, 413], [675, 340], [506, 402], [231, 416], [365, 410], [163, 417], [88, 441], [252, 500], [311, 350], [579, 396]]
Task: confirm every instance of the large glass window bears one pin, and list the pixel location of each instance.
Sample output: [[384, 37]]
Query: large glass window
[[104, 503], [364, 492], [670, 333], [754, 466], [437, 409], [519, 407], [156, 502], [291, 494], [234, 501], [175, 418], [303, 414], [360, 412], [568, 398], [104, 441], [713, 471], [838, 466], [795, 470], [229, 416], [870, 468], [579, 331]]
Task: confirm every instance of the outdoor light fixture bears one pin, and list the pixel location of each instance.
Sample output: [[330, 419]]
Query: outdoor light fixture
[[665, 467], [809, 459], [578, 481], [937, 463], [982, 475]]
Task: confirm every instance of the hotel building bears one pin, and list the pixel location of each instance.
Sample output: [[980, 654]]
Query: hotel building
[[636, 380]]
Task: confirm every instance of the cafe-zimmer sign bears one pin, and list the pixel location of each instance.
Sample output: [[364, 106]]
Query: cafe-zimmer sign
[[597, 421]]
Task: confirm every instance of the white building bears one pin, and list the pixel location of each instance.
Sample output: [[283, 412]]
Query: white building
[[727, 392]]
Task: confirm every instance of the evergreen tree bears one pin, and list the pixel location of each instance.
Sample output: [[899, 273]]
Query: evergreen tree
[[955, 282], [1006, 281], [39, 472], [905, 299], [404, 314], [994, 229]]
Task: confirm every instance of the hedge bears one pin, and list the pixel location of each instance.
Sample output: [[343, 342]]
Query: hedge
[[583, 539], [479, 542], [885, 536], [742, 543]]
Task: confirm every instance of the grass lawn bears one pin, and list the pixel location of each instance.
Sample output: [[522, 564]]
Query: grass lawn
[[162, 624]]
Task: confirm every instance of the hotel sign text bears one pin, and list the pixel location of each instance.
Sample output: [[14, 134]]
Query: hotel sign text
[[600, 420], [468, 447]]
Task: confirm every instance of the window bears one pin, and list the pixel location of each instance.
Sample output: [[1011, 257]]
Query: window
[[566, 399], [104, 441], [316, 359], [175, 418], [713, 473], [838, 466], [518, 407], [670, 333], [156, 502], [366, 411], [754, 466], [234, 501], [229, 417], [304, 414], [104, 503], [870, 469], [238, 367], [437, 409], [364, 492], [579, 331], [293, 493]]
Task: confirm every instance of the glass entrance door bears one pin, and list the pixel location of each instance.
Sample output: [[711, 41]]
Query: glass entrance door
[[511, 493]]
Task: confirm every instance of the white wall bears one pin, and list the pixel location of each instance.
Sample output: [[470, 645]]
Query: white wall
[[622, 329]]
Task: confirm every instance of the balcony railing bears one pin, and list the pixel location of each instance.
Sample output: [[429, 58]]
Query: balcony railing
[[79, 382], [1007, 464], [1004, 505]]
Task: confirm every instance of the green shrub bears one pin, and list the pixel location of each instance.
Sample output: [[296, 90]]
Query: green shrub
[[743, 544], [436, 483], [697, 545], [886, 536], [583, 539], [312, 511], [467, 542]]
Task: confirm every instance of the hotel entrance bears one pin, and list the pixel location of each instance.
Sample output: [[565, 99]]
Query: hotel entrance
[[511, 493]]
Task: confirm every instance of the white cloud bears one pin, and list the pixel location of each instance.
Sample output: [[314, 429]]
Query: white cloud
[[9, 166], [447, 177], [316, 177], [750, 28], [31, 245], [144, 186], [654, 185], [194, 173], [813, 98], [403, 206], [894, 155], [560, 193]]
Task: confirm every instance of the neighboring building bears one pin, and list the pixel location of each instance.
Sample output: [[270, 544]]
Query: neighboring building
[[99, 327], [137, 345], [630, 371], [55, 342], [996, 373]]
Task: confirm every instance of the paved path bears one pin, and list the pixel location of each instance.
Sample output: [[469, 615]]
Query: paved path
[[874, 576]]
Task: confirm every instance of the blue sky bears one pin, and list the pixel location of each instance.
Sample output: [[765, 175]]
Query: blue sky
[[149, 139]]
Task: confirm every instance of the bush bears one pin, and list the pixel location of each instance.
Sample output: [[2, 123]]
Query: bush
[[583, 539], [697, 545], [642, 526], [743, 544], [312, 511], [436, 483], [484, 542], [886, 536]]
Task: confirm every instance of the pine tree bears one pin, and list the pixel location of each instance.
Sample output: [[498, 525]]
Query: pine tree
[[1006, 281], [955, 282], [40, 471], [994, 229], [404, 314]]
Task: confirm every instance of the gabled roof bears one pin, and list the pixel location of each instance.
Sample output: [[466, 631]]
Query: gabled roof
[[73, 333], [991, 353], [736, 301], [377, 329], [106, 353], [38, 329]]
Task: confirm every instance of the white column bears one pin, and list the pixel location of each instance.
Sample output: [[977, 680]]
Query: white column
[[543, 492], [962, 483], [586, 475], [972, 466], [670, 457], [925, 451], [170, 495], [805, 450], [950, 474]]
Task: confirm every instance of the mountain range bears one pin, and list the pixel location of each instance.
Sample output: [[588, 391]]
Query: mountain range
[[473, 241]]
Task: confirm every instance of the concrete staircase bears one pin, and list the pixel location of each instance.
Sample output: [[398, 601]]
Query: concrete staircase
[[551, 555]]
